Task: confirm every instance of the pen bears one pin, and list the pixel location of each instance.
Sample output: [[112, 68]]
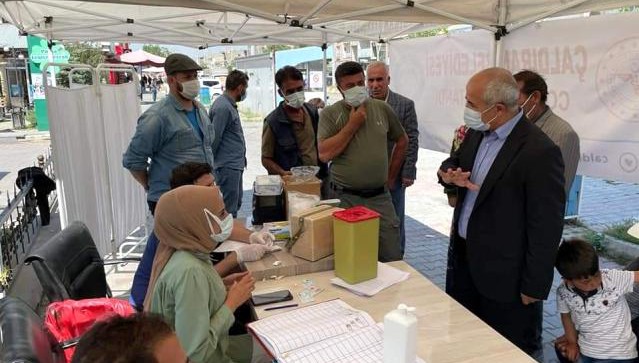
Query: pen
[[280, 307]]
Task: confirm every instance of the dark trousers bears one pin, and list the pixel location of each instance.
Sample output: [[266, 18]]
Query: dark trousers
[[399, 202], [519, 323], [43, 207], [230, 183], [152, 206]]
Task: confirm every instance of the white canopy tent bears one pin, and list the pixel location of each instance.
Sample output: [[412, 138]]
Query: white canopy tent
[[204, 23]]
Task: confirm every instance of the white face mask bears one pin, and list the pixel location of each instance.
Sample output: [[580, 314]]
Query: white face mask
[[473, 120], [524, 105], [190, 89], [355, 96], [226, 226], [295, 100]]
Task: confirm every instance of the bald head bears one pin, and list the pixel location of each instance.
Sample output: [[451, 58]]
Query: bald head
[[497, 85], [493, 91]]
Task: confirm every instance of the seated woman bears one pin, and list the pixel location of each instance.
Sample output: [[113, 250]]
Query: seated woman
[[192, 173], [184, 288]]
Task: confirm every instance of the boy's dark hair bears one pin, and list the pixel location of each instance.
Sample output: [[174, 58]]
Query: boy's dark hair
[[286, 73], [576, 259], [531, 82], [187, 173], [347, 69], [130, 339], [235, 79]]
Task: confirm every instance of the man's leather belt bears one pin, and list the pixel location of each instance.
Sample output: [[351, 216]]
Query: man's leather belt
[[364, 193]]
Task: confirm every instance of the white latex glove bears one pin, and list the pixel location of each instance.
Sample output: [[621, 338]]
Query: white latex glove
[[252, 252], [262, 238]]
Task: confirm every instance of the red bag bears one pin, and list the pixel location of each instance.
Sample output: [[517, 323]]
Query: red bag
[[67, 320]]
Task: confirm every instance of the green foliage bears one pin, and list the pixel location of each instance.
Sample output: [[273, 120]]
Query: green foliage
[[85, 53], [30, 118], [156, 49], [429, 32], [620, 231], [597, 240], [275, 47], [80, 53]]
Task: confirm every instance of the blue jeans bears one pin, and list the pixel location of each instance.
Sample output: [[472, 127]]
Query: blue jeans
[[584, 359], [398, 194], [230, 183]]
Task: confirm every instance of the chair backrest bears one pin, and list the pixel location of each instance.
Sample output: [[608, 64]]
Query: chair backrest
[[23, 338], [69, 265]]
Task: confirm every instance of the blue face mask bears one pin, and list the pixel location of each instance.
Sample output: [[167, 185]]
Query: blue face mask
[[473, 119]]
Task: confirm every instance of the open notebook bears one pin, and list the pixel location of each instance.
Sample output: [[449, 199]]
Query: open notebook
[[328, 332]]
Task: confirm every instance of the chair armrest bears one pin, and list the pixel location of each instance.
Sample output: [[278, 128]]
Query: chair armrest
[[122, 260]]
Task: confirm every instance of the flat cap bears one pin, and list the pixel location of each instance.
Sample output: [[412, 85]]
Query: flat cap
[[177, 62]]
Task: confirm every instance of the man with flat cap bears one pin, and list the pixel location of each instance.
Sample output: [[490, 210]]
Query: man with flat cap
[[173, 131]]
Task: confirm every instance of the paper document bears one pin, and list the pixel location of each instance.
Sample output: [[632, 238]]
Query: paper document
[[386, 276], [230, 246], [328, 332]]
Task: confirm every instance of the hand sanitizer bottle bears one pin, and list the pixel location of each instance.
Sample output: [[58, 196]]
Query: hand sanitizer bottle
[[400, 335]]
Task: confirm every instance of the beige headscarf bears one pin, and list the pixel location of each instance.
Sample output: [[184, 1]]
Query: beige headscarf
[[180, 224]]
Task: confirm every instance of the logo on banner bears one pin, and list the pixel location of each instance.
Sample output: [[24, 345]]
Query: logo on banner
[[617, 80], [628, 162]]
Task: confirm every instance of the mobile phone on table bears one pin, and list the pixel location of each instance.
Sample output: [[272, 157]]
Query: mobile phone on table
[[271, 297]]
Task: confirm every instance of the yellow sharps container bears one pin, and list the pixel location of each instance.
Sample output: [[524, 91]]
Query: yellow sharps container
[[356, 238]]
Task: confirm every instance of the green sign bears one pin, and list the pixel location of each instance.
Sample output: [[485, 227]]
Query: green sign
[[39, 53]]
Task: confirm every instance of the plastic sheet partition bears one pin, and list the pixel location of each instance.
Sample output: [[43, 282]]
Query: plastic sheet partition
[[120, 110], [81, 172]]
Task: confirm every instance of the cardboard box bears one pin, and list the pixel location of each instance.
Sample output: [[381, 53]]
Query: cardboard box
[[313, 187], [315, 228]]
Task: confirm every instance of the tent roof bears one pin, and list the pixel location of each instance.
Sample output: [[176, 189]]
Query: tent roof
[[141, 58], [203, 23]]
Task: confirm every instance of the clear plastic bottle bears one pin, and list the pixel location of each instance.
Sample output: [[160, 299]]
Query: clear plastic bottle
[[400, 335]]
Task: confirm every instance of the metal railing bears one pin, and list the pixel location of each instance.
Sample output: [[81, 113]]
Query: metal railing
[[19, 223]]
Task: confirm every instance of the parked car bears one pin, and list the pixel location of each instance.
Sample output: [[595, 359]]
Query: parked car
[[214, 85]]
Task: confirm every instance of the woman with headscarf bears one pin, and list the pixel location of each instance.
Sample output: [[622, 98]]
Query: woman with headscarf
[[184, 287]]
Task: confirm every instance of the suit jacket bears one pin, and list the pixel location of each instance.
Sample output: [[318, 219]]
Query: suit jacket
[[405, 110], [517, 220], [562, 134]]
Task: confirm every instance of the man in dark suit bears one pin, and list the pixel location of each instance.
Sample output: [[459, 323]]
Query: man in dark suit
[[508, 219], [378, 80]]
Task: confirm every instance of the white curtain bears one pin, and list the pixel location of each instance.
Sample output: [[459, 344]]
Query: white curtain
[[91, 127], [120, 110], [77, 143]]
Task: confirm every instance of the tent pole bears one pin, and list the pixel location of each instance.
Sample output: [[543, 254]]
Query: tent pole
[[498, 48], [320, 21], [315, 10], [246, 10], [28, 11], [324, 46], [13, 18], [75, 27], [240, 27], [458, 18], [346, 33]]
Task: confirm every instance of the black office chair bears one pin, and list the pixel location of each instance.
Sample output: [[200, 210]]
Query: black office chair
[[23, 338], [69, 265]]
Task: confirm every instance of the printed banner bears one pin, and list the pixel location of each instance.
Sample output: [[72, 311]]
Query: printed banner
[[592, 76]]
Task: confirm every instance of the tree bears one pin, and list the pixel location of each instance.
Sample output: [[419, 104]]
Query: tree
[[156, 49], [81, 53], [275, 47]]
